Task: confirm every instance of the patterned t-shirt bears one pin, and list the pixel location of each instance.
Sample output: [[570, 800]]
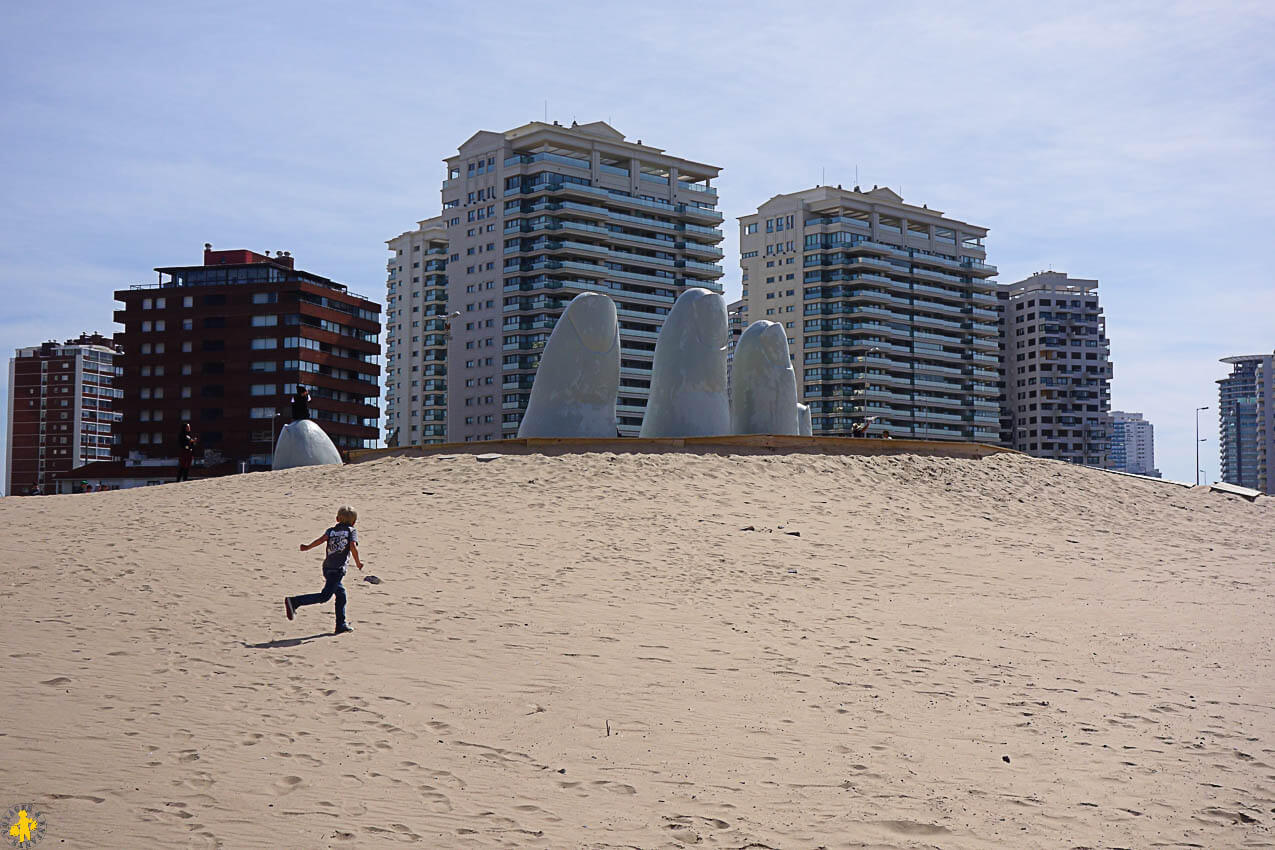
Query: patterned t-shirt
[[340, 536]]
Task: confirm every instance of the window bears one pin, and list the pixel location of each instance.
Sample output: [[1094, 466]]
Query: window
[[186, 346], [263, 389], [147, 304], [262, 413], [263, 343], [265, 321], [146, 327], [751, 228], [188, 324], [264, 366], [188, 301], [159, 325]]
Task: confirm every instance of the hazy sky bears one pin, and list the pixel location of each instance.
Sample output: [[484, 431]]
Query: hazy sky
[[1129, 142]]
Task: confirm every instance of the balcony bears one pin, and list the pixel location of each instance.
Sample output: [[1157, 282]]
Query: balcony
[[697, 187], [700, 229], [528, 159], [695, 247], [701, 213], [700, 268]]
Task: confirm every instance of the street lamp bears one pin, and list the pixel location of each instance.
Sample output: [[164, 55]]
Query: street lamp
[[1197, 444]]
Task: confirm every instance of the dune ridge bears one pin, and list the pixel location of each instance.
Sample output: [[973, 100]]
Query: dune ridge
[[648, 651]]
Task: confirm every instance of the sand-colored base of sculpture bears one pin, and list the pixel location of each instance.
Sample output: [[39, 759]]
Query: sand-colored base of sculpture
[[304, 444]]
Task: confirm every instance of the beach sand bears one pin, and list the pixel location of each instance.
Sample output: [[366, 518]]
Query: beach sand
[[597, 651]]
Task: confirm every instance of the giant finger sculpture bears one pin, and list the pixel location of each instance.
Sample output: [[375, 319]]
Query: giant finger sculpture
[[688, 381], [764, 385], [304, 443], [573, 394]]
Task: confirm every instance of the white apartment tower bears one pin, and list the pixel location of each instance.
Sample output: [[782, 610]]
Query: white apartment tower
[[1132, 444], [1057, 369], [416, 335], [531, 218], [62, 411], [889, 310]]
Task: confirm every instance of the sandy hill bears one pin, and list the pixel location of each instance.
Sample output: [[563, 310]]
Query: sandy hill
[[650, 651]]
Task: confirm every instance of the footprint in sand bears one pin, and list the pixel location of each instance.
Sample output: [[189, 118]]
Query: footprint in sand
[[286, 785]]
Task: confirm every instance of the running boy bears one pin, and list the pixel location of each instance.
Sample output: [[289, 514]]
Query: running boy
[[342, 541]]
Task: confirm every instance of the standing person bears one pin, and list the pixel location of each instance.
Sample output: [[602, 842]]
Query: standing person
[[186, 442], [342, 541], [300, 404]]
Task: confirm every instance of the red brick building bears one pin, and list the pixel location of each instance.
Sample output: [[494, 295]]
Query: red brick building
[[61, 411], [223, 346]]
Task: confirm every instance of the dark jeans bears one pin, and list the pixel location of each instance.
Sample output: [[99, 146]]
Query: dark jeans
[[331, 587]]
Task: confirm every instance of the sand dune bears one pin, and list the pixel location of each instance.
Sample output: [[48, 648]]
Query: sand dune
[[589, 651]]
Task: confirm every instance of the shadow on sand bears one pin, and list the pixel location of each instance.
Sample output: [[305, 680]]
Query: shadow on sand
[[284, 642]]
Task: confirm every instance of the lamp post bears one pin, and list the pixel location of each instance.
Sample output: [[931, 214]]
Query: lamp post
[[1197, 444]]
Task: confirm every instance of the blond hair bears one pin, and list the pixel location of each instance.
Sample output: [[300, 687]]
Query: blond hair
[[345, 513]]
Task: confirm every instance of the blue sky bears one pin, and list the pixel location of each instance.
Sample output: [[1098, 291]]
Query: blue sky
[[1129, 142]]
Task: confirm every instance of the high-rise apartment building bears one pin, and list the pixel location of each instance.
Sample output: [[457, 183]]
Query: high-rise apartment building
[[417, 329], [888, 307], [1265, 436], [1246, 421], [1132, 444], [224, 345], [1057, 369], [62, 410], [531, 218]]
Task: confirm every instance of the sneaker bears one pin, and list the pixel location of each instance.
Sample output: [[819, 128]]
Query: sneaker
[[287, 607], [340, 630]]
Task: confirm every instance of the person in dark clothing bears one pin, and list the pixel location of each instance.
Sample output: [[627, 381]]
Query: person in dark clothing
[[342, 542], [186, 442], [300, 404]]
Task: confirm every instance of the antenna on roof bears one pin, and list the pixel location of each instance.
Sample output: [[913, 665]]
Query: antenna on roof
[[823, 175]]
